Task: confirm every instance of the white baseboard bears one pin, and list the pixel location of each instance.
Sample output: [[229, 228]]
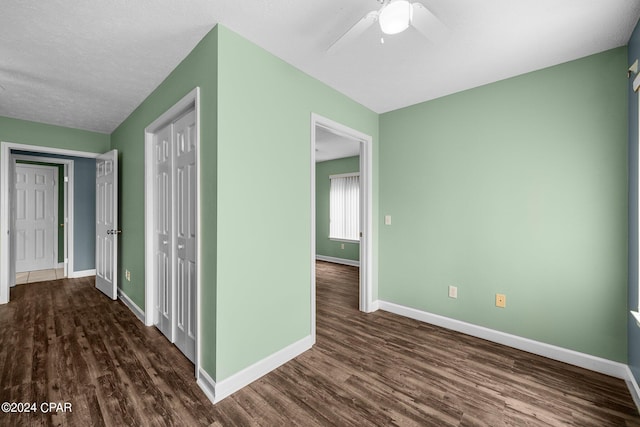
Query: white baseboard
[[207, 384], [335, 260], [583, 360], [60, 265], [216, 391], [132, 305], [632, 385], [83, 273]]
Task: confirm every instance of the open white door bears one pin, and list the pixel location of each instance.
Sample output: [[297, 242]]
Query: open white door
[[107, 223]]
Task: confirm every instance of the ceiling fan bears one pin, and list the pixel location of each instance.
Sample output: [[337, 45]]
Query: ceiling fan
[[395, 16]]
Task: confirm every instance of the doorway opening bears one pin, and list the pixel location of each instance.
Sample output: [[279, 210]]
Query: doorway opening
[[9, 154], [345, 137], [57, 211]]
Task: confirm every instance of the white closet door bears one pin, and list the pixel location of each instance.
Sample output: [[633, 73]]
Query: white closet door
[[163, 230], [184, 139], [36, 196]]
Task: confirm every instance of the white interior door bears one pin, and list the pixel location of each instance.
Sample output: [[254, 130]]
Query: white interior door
[[107, 223], [184, 141], [35, 213], [175, 231], [163, 231]]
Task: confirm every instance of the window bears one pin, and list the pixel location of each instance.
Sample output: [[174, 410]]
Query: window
[[344, 207]]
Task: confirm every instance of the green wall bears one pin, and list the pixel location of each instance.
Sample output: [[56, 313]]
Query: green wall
[[255, 122], [32, 133], [518, 187], [198, 69], [264, 198], [324, 245]]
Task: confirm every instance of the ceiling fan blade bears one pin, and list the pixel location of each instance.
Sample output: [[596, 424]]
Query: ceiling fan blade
[[428, 24], [360, 27]]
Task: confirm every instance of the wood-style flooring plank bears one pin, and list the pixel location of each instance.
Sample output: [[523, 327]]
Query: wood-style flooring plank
[[63, 341]]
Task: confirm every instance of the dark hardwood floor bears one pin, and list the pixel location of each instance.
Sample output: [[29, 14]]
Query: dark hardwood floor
[[63, 341]]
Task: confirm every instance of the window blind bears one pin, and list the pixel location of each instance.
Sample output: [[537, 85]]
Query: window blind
[[344, 206]]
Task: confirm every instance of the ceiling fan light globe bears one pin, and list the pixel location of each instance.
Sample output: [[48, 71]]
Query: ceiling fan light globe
[[395, 17]]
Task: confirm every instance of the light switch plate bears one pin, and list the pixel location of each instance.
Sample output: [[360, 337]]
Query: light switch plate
[[387, 220]]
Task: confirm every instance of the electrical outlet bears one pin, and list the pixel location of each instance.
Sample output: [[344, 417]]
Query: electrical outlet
[[453, 292], [501, 300], [341, 245], [127, 275]]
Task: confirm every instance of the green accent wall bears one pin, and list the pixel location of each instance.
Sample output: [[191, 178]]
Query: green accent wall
[[198, 69], [517, 187], [43, 135], [633, 329], [324, 245], [264, 198], [255, 196]]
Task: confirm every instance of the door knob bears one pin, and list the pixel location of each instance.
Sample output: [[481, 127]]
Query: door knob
[[164, 242], [180, 246]]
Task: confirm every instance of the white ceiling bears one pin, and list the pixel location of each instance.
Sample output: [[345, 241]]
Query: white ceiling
[[88, 65], [330, 145]]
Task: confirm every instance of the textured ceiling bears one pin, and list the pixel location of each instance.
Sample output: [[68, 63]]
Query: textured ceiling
[[88, 64]]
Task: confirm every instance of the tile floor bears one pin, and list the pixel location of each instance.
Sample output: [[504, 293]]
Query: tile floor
[[39, 276]]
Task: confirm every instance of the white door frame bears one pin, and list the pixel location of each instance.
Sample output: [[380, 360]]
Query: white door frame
[[189, 101], [68, 203], [366, 189], [5, 180], [56, 188]]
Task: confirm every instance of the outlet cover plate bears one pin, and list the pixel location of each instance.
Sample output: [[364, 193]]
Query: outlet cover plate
[[453, 292]]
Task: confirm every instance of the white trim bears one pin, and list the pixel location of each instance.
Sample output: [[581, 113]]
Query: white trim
[[131, 305], [251, 373], [68, 186], [636, 317], [312, 299], [632, 385], [583, 360], [5, 156], [335, 260], [207, 384], [637, 218], [82, 273], [190, 100]]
